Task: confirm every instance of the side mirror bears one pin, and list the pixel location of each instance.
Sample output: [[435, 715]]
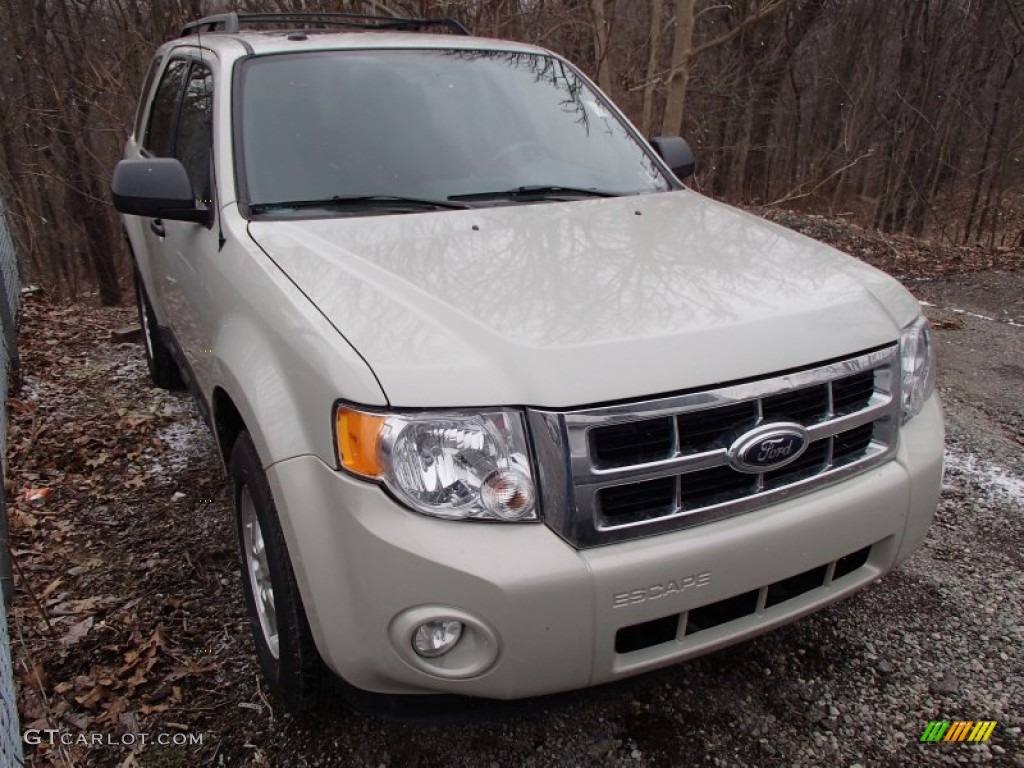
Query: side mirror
[[158, 188], [676, 153]]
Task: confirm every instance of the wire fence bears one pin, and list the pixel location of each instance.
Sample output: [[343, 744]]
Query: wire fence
[[10, 294]]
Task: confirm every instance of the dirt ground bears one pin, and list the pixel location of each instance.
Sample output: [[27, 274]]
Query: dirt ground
[[128, 620]]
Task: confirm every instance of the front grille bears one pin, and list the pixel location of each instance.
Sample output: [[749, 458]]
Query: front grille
[[639, 501], [714, 486], [852, 393], [635, 442], [706, 430], [625, 471], [806, 406]]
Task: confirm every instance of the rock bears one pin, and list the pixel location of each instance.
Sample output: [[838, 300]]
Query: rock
[[132, 335], [817, 713], [947, 685]]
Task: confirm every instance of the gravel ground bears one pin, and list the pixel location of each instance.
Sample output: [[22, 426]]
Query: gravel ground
[[941, 638]]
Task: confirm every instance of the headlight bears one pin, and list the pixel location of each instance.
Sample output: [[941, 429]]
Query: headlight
[[917, 363], [462, 466]]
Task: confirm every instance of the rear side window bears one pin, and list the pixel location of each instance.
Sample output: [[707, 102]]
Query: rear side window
[[144, 96], [163, 116]]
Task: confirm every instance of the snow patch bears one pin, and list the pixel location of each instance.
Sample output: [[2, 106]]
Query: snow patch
[[30, 388], [999, 483], [132, 369], [185, 440], [1007, 320]]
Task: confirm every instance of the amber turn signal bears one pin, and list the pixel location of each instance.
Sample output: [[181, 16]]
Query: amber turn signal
[[358, 441]]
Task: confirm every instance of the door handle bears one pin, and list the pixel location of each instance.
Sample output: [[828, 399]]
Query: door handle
[[158, 227]]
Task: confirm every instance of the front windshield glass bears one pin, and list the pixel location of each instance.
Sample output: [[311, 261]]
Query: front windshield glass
[[430, 125]]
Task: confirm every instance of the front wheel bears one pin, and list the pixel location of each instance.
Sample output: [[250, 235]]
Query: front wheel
[[287, 654], [162, 368]]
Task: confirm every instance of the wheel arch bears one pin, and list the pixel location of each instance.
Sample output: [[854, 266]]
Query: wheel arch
[[228, 422]]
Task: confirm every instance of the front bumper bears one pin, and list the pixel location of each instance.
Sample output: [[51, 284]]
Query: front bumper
[[544, 616]]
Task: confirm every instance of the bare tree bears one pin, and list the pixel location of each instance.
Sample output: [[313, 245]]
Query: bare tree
[[679, 76], [903, 115]]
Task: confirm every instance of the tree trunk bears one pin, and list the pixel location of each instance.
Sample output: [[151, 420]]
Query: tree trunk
[[972, 211], [672, 123], [652, 67], [603, 65]]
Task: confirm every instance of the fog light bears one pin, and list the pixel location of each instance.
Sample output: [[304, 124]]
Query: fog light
[[436, 638]]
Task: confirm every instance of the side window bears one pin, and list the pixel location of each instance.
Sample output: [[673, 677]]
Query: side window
[[194, 142], [160, 133], [144, 96]]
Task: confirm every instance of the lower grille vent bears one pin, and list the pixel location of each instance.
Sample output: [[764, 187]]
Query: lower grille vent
[[722, 612], [640, 636], [666, 629]]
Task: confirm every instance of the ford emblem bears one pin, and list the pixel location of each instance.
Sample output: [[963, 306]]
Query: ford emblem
[[768, 447]]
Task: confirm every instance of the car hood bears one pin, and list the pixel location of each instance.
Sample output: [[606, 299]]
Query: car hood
[[575, 303]]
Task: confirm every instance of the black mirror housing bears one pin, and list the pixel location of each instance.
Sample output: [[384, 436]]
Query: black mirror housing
[[158, 188], [677, 155]]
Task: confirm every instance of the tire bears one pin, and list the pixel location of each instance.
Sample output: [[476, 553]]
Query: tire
[[162, 368], [285, 648]]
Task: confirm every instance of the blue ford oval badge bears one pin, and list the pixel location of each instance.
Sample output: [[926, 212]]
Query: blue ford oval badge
[[768, 447]]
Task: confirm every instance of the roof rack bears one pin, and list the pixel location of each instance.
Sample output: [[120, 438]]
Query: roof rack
[[232, 22]]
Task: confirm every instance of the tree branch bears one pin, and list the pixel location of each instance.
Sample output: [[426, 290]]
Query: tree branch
[[753, 18], [1016, 15]]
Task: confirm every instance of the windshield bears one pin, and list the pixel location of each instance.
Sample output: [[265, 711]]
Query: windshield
[[485, 127]]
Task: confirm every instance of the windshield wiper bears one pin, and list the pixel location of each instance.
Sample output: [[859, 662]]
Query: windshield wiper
[[355, 201], [537, 192]]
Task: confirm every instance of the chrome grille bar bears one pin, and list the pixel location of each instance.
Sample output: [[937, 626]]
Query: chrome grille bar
[[572, 477]]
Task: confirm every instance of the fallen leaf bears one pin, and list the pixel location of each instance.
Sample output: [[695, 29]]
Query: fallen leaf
[[161, 693], [77, 632], [98, 461], [87, 605], [84, 681], [114, 710], [20, 406], [92, 698], [50, 588], [39, 676]]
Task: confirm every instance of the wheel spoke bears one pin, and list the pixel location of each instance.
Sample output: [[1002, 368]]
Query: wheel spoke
[[258, 568]]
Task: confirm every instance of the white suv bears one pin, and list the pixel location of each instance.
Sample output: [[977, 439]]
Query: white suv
[[507, 410]]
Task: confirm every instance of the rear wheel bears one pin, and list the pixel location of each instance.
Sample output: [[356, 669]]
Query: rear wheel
[[162, 368], [287, 654]]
